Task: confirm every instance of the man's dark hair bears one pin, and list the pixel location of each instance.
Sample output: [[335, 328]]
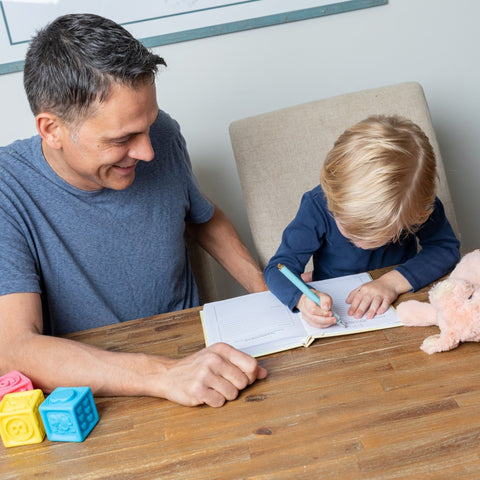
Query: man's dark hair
[[74, 61]]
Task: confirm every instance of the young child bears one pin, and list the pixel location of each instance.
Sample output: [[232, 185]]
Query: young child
[[375, 200]]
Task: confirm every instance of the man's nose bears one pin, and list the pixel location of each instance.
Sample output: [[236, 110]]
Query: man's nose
[[141, 148]]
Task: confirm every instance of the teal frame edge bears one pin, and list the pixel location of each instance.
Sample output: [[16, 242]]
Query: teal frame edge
[[259, 22], [238, 26]]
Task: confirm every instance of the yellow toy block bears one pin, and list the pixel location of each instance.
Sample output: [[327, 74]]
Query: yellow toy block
[[20, 421]]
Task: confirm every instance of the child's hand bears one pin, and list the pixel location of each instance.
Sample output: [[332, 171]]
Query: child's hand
[[375, 297], [320, 317]]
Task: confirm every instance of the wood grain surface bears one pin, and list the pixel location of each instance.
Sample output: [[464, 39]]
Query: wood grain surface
[[366, 406]]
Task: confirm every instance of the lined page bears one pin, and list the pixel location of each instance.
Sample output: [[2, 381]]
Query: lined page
[[339, 289], [259, 323], [255, 319]]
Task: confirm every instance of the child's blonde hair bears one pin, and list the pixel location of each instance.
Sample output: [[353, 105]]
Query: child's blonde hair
[[379, 180]]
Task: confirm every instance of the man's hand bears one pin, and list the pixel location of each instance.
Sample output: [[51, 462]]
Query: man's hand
[[320, 317], [374, 298], [211, 376]]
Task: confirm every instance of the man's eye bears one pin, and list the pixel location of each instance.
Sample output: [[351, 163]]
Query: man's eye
[[120, 140]]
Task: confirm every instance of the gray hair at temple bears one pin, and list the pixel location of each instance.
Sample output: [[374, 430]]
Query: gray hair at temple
[[73, 62]]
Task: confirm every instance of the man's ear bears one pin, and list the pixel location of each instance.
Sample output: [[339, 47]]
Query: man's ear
[[50, 128]]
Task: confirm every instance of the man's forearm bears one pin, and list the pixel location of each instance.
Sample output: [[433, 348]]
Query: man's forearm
[[210, 376], [220, 239], [242, 266], [62, 362]]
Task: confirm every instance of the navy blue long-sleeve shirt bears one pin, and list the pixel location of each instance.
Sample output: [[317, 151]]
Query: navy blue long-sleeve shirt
[[313, 231]]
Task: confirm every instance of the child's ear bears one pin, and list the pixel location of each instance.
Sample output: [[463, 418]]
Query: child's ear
[[50, 129]]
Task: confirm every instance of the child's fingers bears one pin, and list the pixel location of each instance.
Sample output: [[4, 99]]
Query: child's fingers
[[368, 305], [383, 307], [371, 298], [352, 295], [372, 309], [319, 321], [325, 300], [315, 315]]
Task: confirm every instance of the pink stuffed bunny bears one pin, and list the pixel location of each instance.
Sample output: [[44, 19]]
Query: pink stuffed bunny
[[454, 306]]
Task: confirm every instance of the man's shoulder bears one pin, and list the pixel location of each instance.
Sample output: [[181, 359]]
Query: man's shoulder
[[19, 158], [165, 125], [26, 149]]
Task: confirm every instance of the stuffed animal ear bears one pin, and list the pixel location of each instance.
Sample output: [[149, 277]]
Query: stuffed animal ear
[[413, 313], [468, 268]]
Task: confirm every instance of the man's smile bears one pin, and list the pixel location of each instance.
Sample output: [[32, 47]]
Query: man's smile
[[125, 170]]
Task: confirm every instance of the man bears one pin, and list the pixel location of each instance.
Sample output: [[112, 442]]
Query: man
[[93, 213]]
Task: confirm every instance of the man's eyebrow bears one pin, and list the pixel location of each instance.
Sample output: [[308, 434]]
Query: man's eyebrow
[[126, 135], [122, 136], [116, 138]]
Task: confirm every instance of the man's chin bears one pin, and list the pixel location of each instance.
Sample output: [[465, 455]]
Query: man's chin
[[120, 183]]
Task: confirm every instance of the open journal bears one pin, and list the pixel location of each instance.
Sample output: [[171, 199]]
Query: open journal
[[259, 324]]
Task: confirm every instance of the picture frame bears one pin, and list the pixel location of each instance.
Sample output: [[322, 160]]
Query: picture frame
[[177, 20]]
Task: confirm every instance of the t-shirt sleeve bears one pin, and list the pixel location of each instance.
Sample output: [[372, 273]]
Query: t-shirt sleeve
[[201, 209], [17, 263]]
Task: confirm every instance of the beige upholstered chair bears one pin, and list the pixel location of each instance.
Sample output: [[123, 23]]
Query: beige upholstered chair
[[279, 154], [202, 270]]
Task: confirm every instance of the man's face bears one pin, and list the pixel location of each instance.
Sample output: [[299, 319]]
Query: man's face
[[103, 150]]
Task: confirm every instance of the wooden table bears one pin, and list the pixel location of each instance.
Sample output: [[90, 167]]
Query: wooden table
[[367, 406]]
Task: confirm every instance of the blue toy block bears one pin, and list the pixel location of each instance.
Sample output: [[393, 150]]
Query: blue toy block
[[69, 414]]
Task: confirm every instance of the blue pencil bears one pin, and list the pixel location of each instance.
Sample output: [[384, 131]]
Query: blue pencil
[[304, 289]]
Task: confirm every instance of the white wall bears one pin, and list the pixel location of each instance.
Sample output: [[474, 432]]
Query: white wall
[[213, 81]]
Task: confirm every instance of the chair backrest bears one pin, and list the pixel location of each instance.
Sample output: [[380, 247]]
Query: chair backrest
[[279, 154], [202, 268]]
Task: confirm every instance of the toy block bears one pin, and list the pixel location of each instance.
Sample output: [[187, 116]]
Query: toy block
[[20, 422], [14, 382], [69, 414]]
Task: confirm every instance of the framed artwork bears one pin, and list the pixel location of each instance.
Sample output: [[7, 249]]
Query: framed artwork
[[160, 22]]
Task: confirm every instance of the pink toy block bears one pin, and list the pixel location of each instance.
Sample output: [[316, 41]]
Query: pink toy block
[[14, 382]]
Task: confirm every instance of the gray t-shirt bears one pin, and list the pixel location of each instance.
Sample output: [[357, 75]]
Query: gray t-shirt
[[106, 256]]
